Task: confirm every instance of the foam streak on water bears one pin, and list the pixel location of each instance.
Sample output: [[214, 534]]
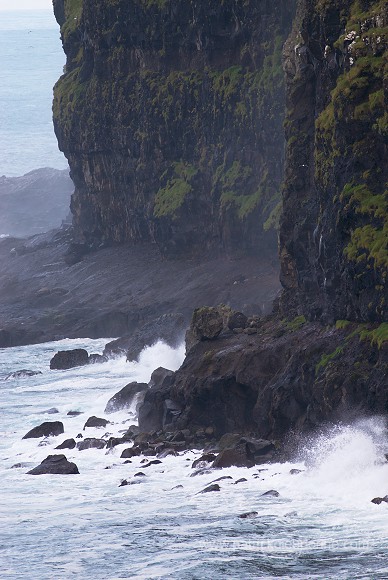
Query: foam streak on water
[[87, 527]]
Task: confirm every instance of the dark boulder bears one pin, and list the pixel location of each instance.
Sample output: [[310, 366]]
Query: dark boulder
[[67, 444], [206, 324], [55, 464], [126, 396], [154, 462], [209, 488], [46, 429], [74, 413], [241, 480], [158, 410], [237, 320], [67, 359], [130, 452], [379, 500], [23, 373], [237, 456], [248, 515], [52, 411], [270, 493], [96, 422], [91, 443]]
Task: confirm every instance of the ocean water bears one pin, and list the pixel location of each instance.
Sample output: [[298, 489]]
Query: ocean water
[[31, 62], [323, 524]]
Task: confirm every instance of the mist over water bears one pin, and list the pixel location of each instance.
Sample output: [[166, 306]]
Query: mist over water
[[31, 62], [322, 525]]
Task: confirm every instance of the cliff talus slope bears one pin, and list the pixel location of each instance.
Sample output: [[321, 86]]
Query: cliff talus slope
[[170, 114]]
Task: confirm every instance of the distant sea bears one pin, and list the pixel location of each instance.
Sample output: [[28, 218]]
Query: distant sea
[[31, 61]]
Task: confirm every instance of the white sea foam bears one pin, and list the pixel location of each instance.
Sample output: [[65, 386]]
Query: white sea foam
[[322, 525]]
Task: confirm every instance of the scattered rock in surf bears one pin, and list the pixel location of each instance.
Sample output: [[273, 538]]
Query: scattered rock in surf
[[127, 461], [166, 453], [91, 443], [379, 500], [241, 480], [209, 488], [46, 429], [204, 460], [74, 413], [201, 472], [222, 478], [130, 452], [22, 374], [55, 464], [248, 515], [67, 444], [295, 471], [68, 359], [123, 483], [96, 422], [180, 486], [52, 411], [97, 358], [140, 474], [126, 396], [19, 465], [79, 436], [270, 493], [154, 462]]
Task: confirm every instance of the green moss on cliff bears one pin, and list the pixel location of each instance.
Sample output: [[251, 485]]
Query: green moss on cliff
[[170, 198], [73, 13]]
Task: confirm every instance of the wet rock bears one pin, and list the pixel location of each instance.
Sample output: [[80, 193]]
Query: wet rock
[[201, 472], [130, 452], [177, 487], [241, 480], [74, 413], [295, 471], [140, 474], [52, 411], [166, 453], [270, 493], [154, 462], [233, 457], [23, 373], [67, 359], [212, 487], [55, 464], [206, 324], [158, 411], [79, 436], [123, 483], [248, 515], [126, 396], [46, 429], [379, 500], [114, 441], [20, 465], [97, 358], [67, 444], [91, 443], [96, 422], [204, 460], [222, 478]]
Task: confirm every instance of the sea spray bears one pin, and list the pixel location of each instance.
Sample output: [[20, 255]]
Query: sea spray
[[322, 524]]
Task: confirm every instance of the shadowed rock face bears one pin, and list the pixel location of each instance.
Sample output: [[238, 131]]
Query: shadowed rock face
[[55, 464], [333, 234], [170, 114]]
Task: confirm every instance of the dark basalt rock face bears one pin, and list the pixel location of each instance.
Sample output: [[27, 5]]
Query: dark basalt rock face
[[333, 231], [55, 464], [170, 114]]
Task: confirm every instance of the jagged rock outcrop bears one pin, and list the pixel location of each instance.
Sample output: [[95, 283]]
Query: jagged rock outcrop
[[170, 114], [333, 234]]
